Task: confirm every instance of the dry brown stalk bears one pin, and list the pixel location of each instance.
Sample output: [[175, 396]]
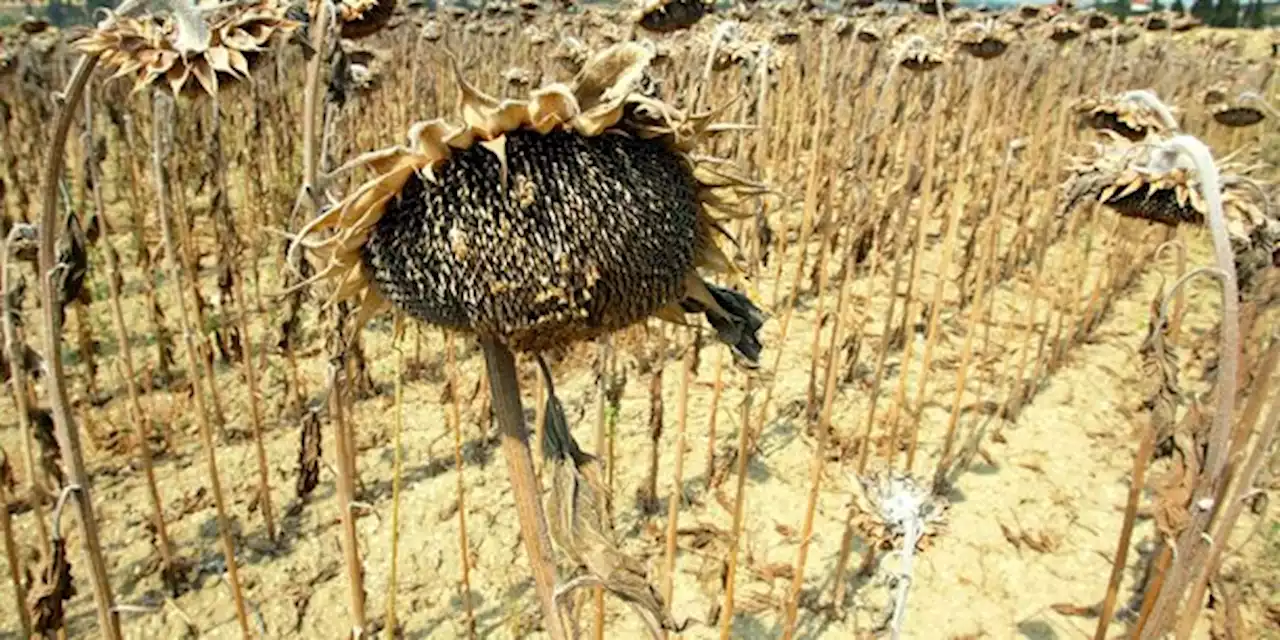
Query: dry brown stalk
[[908, 309], [139, 416], [505, 393], [677, 480], [391, 625], [455, 425], [935, 308], [818, 461], [739, 501], [1244, 487], [882, 350], [7, 485], [603, 443], [1162, 370], [255, 408], [811, 199], [647, 495], [18, 383], [712, 411], [68, 435], [161, 139], [339, 387]]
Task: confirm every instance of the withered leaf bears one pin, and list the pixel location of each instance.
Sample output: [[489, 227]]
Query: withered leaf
[[48, 596]]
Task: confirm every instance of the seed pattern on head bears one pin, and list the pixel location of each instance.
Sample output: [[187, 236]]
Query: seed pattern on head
[[589, 235]]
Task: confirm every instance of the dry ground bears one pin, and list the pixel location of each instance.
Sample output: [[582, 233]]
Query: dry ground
[[1059, 478]]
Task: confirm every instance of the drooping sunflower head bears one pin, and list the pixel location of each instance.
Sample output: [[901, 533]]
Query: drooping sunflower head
[[985, 39], [539, 222], [1233, 110], [1121, 114], [189, 57], [664, 16], [918, 53], [362, 18], [1139, 180]]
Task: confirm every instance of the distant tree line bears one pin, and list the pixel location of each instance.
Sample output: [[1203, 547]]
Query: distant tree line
[[1246, 14]]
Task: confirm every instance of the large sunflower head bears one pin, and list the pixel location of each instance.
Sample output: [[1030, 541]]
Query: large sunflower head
[[572, 213]]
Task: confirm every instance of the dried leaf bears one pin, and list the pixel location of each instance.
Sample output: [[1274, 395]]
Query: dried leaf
[[309, 453], [48, 596]]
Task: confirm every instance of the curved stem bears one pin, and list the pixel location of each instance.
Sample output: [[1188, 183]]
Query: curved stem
[[1191, 549], [68, 436]]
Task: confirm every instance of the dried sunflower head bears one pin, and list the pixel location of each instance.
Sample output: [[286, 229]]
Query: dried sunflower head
[[785, 35], [869, 33], [362, 18], [158, 51], [1095, 19], [919, 54], [1156, 22], [984, 39], [518, 77], [1233, 112], [571, 214], [1139, 180], [1186, 22], [1064, 31], [930, 7], [664, 16], [32, 25], [1120, 114]]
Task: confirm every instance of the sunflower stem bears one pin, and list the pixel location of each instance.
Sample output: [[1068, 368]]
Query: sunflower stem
[[504, 389], [68, 436]]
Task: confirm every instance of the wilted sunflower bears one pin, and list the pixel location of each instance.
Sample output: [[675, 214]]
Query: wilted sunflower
[[189, 58], [930, 7], [665, 16], [1121, 114], [1138, 180], [1064, 31], [919, 54], [362, 18], [1095, 19], [985, 40], [541, 222], [1238, 112]]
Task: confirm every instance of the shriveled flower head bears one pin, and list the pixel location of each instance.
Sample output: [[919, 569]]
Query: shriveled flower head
[[890, 503], [930, 7], [664, 16], [1143, 180], [1233, 111], [985, 39], [918, 53], [362, 18], [785, 35], [539, 222], [193, 54], [1122, 114], [1063, 31], [1095, 19]]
